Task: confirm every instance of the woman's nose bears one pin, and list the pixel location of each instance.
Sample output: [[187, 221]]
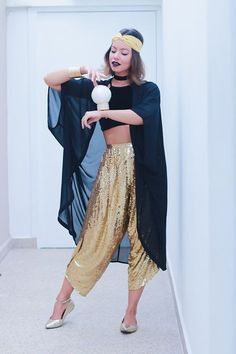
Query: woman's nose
[[116, 55]]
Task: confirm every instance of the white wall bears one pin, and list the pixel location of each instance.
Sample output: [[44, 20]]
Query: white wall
[[199, 122], [19, 125], [222, 174], [4, 230], [185, 123]]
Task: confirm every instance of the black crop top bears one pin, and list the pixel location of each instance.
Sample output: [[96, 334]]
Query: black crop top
[[121, 98]]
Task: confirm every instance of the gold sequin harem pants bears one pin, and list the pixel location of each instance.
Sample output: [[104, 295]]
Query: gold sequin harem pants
[[110, 213]]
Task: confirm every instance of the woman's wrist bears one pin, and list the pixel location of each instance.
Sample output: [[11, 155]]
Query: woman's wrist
[[74, 71], [83, 70], [77, 71]]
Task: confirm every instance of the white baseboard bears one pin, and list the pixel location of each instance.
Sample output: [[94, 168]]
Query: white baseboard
[[5, 248], [24, 242], [16, 243], [180, 319]]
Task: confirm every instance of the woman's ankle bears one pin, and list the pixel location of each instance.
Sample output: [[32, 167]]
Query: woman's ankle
[[131, 312], [63, 296], [132, 308], [63, 300]]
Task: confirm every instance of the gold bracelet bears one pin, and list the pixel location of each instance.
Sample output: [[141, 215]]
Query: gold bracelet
[[74, 71]]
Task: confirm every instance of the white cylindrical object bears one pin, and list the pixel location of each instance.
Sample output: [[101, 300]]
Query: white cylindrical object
[[101, 95]]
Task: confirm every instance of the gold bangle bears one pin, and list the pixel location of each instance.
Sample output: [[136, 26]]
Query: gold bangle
[[74, 71]]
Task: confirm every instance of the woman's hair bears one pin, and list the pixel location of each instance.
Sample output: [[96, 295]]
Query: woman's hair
[[137, 71]]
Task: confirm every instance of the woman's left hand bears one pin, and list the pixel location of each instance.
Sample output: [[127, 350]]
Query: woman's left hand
[[90, 117]]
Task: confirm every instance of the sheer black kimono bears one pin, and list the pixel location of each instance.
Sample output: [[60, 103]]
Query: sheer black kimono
[[81, 157]]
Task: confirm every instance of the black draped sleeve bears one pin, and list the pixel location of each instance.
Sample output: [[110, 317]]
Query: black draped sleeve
[[80, 160], [151, 174]]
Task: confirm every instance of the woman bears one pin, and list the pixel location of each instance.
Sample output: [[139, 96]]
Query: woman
[[130, 191]]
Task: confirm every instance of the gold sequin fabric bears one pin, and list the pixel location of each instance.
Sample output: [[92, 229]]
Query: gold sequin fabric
[[111, 212]]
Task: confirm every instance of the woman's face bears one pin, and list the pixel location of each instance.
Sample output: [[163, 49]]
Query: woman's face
[[120, 58]]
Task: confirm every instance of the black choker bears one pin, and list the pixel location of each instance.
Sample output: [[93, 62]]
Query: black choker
[[120, 78]]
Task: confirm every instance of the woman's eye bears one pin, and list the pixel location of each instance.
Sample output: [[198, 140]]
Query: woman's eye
[[113, 51], [124, 53]]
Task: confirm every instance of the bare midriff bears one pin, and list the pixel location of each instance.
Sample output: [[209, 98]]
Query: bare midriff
[[117, 135]]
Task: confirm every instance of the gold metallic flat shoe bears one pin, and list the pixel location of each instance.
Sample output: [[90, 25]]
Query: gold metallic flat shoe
[[128, 329], [58, 323]]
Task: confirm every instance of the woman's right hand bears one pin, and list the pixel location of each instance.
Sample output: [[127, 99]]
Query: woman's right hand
[[92, 74]]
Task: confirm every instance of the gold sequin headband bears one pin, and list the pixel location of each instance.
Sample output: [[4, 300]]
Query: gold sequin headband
[[132, 41]]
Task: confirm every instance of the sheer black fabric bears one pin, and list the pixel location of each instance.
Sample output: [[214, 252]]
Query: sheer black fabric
[[81, 158], [80, 161]]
